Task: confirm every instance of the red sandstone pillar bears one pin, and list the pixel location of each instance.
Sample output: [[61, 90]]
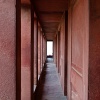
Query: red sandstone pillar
[[8, 50], [55, 49], [62, 51], [43, 51], [35, 52], [94, 50], [69, 55], [39, 50], [78, 49], [57, 53], [25, 53]]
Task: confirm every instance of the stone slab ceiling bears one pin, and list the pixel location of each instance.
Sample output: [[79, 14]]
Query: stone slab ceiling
[[27, 2], [49, 13]]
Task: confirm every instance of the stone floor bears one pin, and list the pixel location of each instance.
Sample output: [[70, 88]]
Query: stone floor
[[49, 87]]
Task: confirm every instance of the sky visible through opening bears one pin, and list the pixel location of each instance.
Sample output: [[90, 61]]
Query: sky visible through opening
[[49, 48]]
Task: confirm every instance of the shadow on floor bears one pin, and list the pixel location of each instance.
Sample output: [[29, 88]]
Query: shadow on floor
[[49, 87]]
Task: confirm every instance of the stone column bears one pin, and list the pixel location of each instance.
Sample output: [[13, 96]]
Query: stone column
[[35, 51], [8, 50], [25, 53], [39, 50], [94, 50]]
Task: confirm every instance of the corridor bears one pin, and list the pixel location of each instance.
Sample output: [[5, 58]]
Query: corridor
[[49, 87], [73, 27]]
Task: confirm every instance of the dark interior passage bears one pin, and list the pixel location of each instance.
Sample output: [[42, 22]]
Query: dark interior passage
[[49, 87]]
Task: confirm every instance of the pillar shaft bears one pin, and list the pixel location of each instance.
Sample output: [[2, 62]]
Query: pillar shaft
[[35, 51], [39, 50], [25, 53], [8, 50], [94, 50]]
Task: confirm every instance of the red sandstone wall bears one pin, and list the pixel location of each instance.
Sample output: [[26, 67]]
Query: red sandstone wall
[[35, 51], [44, 50], [78, 67], [58, 51], [55, 50], [7, 50], [94, 51], [39, 50], [25, 53], [62, 50], [69, 55]]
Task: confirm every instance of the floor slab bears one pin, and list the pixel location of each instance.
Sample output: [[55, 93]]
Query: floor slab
[[49, 87]]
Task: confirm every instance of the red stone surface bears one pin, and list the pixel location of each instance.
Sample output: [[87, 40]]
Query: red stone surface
[[79, 50], [62, 50], [35, 51], [58, 51], [39, 50], [55, 50], [7, 50], [69, 55], [94, 51], [44, 50], [27, 2], [25, 53]]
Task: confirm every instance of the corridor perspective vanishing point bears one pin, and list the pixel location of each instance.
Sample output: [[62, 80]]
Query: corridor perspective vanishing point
[[69, 69]]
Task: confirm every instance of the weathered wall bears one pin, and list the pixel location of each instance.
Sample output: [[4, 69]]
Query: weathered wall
[[7, 50], [94, 51], [79, 49], [62, 50], [25, 53]]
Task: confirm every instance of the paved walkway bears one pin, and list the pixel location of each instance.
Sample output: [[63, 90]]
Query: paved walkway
[[49, 87]]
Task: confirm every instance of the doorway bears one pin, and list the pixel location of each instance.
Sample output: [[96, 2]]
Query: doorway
[[50, 49]]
